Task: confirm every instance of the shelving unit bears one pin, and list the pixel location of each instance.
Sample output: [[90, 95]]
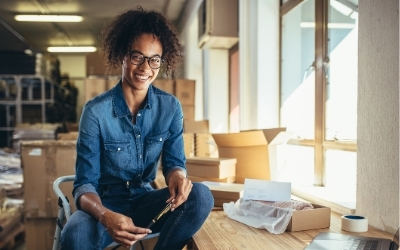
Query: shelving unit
[[23, 99]]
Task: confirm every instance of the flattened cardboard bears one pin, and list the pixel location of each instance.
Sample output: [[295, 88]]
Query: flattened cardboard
[[43, 162], [250, 148], [211, 167], [319, 217]]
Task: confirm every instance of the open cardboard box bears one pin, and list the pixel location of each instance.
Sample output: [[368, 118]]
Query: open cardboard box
[[319, 217], [252, 151]]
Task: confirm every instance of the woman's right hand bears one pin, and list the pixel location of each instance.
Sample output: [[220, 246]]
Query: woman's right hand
[[122, 229]]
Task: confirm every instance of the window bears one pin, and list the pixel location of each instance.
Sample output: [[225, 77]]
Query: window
[[319, 92]]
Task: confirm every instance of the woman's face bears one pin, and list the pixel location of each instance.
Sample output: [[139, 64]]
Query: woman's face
[[139, 75]]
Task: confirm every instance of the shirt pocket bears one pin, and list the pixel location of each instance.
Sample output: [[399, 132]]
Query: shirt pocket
[[154, 145], [117, 155]]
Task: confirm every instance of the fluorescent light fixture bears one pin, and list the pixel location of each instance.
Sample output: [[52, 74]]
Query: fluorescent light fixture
[[48, 18], [72, 49], [330, 25]]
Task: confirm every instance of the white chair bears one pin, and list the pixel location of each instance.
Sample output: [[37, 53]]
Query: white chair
[[64, 212]]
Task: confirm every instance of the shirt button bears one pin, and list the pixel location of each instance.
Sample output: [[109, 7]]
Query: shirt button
[[140, 156], [119, 149], [139, 114], [160, 139], [137, 136]]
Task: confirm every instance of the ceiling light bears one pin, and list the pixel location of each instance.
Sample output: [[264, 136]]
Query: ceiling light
[[72, 49], [49, 18]]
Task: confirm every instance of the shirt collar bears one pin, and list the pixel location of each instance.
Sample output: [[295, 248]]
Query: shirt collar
[[121, 109]]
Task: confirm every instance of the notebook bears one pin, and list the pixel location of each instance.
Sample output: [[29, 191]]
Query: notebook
[[335, 241]]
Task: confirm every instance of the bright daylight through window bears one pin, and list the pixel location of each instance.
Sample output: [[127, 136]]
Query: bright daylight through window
[[335, 165]]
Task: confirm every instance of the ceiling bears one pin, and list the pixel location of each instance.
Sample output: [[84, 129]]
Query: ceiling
[[18, 36]]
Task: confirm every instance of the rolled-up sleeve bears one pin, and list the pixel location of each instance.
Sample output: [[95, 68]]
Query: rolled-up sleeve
[[88, 154]]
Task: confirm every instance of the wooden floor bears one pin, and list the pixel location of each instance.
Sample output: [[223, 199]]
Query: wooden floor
[[221, 232]]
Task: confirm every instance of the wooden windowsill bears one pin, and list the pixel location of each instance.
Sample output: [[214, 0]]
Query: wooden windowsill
[[326, 197]]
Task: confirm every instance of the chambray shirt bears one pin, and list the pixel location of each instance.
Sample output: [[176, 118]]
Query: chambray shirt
[[112, 150]]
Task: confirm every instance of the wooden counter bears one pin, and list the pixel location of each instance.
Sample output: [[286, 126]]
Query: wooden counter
[[221, 232]]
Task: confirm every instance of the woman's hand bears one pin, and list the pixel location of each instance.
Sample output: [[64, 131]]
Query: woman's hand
[[122, 229], [179, 188], [119, 226]]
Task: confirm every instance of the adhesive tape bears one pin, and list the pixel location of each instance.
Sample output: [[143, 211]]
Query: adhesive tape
[[354, 223]]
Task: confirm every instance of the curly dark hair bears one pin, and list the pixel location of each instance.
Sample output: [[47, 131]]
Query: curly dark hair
[[119, 35]]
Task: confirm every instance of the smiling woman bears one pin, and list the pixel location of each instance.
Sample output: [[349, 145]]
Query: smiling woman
[[122, 135]]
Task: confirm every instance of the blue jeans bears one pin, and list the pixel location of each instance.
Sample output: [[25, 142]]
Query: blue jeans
[[142, 204]]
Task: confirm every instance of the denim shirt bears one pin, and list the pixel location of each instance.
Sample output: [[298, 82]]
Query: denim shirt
[[112, 150]]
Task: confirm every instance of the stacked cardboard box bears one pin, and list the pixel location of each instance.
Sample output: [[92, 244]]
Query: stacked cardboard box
[[184, 90], [188, 141], [94, 86], [204, 144], [166, 85], [42, 163], [225, 192], [211, 169], [96, 66]]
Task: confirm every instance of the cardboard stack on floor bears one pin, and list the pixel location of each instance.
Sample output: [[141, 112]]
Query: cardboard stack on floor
[[11, 200], [42, 163]]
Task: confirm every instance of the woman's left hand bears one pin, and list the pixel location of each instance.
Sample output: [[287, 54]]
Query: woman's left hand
[[179, 188]]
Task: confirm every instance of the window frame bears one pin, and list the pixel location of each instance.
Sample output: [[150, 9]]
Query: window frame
[[319, 143]]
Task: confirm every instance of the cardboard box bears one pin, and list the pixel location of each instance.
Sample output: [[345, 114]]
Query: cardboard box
[[43, 162], [188, 141], [185, 91], [94, 87], [111, 82], [39, 233], [319, 217], [201, 179], [68, 136], [225, 192], [251, 150], [205, 145], [96, 65], [211, 167], [196, 126], [188, 112], [72, 127], [163, 84]]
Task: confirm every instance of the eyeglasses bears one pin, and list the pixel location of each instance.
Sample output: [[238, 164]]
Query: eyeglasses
[[155, 62]]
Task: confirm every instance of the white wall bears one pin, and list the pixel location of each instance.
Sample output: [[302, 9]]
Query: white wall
[[259, 64], [378, 114], [194, 64]]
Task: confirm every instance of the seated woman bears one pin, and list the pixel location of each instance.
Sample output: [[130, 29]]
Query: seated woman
[[122, 135]]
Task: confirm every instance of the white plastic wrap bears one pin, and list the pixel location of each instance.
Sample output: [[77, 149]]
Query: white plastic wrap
[[259, 215]]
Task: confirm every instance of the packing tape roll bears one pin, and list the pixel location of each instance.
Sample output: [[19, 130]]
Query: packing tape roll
[[354, 223]]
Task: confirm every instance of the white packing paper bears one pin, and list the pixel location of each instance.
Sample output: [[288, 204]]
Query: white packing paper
[[259, 215]]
